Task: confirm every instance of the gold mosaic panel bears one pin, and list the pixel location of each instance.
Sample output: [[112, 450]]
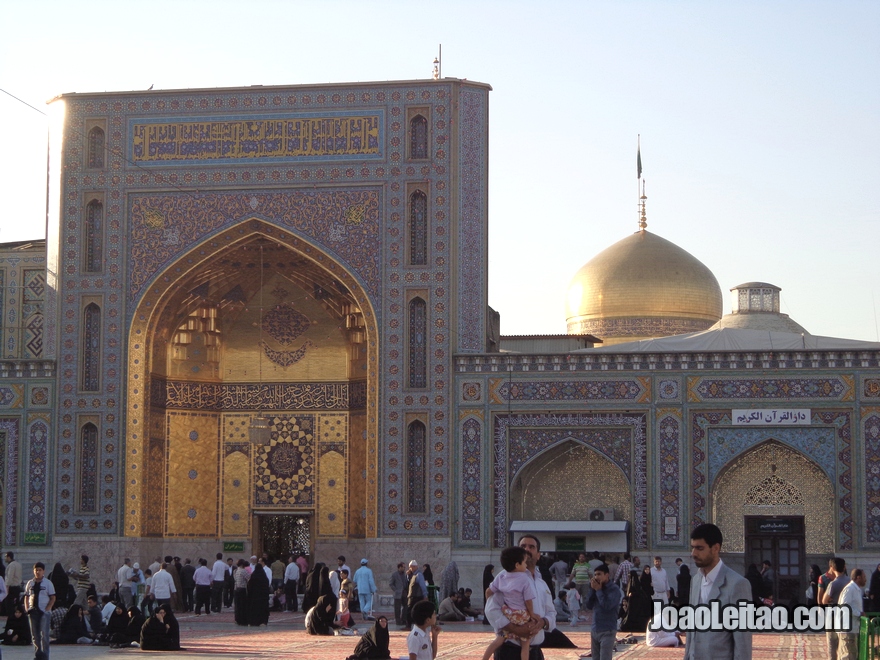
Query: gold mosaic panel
[[235, 427], [567, 482], [192, 499], [362, 491], [236, 495], [749, 487], [331, 494]]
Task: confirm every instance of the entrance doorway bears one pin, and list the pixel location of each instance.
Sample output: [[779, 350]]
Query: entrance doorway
[[781, 540], [281, 535]]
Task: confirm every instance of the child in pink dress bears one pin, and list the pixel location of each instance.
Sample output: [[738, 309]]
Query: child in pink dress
[[517, 587]]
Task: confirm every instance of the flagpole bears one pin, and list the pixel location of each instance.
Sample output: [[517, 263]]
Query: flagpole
[[639, 180]]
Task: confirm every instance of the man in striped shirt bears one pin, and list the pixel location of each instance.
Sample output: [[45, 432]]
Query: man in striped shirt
[[82, 579], [622, 575]]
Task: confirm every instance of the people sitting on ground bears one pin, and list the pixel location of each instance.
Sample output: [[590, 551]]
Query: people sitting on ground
[[94, 620], [464, 603], [660, 638], [114, 632], [73, 628], [561, 605], [57, 617], [161, 632], [449, 609], [17, 632], [373, 645], [156, 634], [107, 608], [279, 601], [321, 618]]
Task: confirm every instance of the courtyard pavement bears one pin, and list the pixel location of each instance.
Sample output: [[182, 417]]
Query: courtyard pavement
[[216, 637]]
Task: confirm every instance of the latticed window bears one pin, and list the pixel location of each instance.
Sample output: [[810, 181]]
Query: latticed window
[[88, 469], [418, 229], [418, 137], [418, 344], [96, 148], [416, 438], [94, 236], [91, 351], [774, 491]]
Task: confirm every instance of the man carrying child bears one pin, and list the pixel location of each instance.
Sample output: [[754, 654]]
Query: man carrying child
[[542, 607]]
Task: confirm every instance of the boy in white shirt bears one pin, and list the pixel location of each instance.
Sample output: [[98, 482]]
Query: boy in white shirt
[[420, 644]]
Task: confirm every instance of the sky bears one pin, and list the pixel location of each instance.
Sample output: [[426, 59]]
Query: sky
[[759, 122]]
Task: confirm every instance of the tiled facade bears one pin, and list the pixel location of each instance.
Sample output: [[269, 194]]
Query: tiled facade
[[324, 176]]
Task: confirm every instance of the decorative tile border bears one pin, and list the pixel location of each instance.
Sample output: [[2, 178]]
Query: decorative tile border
[[834, 388], [669, 475], [517, 390], [10, 433], [471, 460]]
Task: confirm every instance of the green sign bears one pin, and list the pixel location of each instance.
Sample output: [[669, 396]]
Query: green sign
[[570, 543], [233, 546], [35, 538]]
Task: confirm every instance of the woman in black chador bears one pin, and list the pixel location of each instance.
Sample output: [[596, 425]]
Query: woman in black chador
[[258, 591], [638, 605], [320, 619], [374, 643]]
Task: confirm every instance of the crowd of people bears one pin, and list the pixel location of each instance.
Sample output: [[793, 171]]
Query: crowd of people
[[611, 593]]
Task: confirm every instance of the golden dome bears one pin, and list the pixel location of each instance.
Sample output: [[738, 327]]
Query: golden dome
[[642, 287]]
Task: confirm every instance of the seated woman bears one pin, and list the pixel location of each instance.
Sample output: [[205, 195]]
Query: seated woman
[[114, 633], [374, 643], [136, 620], [73, 628], [156, 634], [320, 620], [18, 632]]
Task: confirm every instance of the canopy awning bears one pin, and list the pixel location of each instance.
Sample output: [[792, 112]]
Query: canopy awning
[[576, 535]]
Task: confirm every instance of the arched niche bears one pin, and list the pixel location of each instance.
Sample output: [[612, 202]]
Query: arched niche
[[248, 286], [566, 482], [773, 479]]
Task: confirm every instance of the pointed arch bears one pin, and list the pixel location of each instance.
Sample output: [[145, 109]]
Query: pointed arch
[[773, 479], [146, 392], [541, 488]]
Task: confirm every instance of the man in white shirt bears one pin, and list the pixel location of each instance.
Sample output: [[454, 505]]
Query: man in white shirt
[[542, 606], [660, 581], [13, 582], [39, 599], [848, 648], [123, 577], [203, 578], [559, 571], [219, 575], [162, 586], [291, 580]]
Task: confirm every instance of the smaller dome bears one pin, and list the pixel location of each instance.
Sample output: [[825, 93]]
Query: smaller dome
[[755, 306]]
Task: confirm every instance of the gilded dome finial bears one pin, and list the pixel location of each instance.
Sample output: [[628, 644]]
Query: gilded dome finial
[[643, 218]]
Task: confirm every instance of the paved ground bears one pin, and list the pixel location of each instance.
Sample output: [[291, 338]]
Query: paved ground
[[218, 638]]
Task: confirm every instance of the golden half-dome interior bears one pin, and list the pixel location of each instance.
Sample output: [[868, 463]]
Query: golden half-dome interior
[[641, 287]]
